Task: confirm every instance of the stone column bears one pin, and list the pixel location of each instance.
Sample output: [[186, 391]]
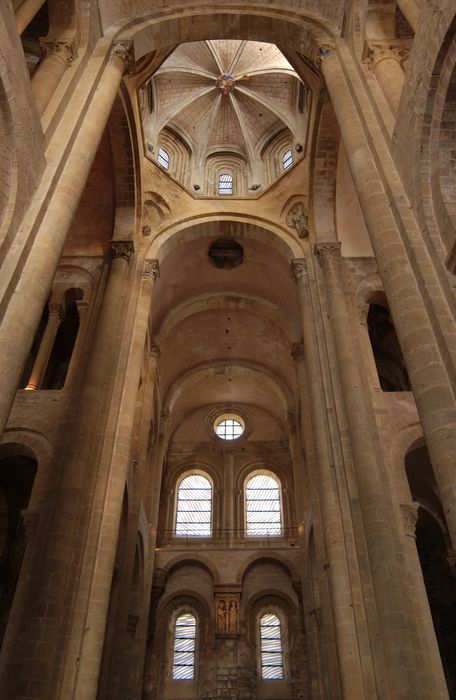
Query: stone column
[[54, 576], [24, 310], [82, 677], [430, 381], [26, 13], [411, 12], [351, 673], [56, 316], [387, 68], [58, 56], [395, 613]]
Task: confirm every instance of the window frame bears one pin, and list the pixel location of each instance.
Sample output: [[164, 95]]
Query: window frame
[[182, 477], [229, 175], [163, 158], [287, 159], [251, 475], [179, 614], [271, 610]]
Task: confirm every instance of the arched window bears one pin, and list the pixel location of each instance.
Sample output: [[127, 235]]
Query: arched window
[[184, 648], [163, 158], [287, 159], [225, 183], [271, 647], [263, 512], [194, 507]]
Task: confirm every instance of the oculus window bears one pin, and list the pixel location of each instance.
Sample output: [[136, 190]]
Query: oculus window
[[229, 427], [225, 183], [287, 159], [271, 647], [163, 158], [194, 507], [263, 512], [184, 648]]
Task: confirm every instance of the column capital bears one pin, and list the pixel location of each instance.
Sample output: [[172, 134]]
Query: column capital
[[375, 52], [122, 249], [298, 268], [409, 517], [56, 311], [63, 48], [151, 269], [297, 351], [124, 49], [327, 251]]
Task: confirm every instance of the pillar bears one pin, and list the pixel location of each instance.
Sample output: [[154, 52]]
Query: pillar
[[400, 637], [350, 668], [88, 629], [387, 68], [58, 56], [26, 13], [428, 376], [411, 12], [56, 316], [24, 310]]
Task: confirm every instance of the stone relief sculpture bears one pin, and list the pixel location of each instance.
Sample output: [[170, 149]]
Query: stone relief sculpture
[[227, 613], [298, 219]]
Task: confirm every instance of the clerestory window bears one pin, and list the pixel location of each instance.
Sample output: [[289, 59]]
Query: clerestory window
[[163, 158], [225, 184], [271, 650], [287, 159], [263, 510], [184, 647], [194, 507]]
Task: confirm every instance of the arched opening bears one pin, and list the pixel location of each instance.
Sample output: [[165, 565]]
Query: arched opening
[[391, 369], [65, 340], [436, 558], [17, 474]]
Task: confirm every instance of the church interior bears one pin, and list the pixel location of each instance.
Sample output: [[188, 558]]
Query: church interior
[[228, 350]]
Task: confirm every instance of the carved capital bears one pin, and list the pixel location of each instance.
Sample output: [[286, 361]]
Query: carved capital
[[409, 517], [56, 312], [146, 230], [297, 351], [124, 49], [151, 269], [82, 307], [377, 52], [327, 251], [298, 219], [63, 48], [155, 350], [298, 268], [122, 249]]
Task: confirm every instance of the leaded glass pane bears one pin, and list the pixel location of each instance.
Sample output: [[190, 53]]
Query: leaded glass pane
[[194, 507], [262, 502], [184, 647]]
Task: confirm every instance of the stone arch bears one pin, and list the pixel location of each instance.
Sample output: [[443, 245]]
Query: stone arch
[[124, 142], [32, 443], [325, 152], [264, 230], [257, 306], [195, 559], [186, 380], [276, 559]]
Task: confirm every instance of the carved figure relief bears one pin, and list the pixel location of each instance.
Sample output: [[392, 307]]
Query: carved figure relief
[[227, 613], [298, 219]]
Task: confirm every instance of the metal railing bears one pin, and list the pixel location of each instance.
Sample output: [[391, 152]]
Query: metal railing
[[228, 538]]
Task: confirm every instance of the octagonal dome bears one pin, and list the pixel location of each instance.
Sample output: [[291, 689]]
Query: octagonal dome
[[225, 108]]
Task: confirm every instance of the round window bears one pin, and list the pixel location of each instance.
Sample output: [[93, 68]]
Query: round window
[[229, 426]]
